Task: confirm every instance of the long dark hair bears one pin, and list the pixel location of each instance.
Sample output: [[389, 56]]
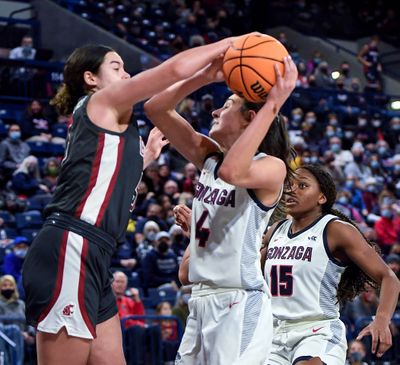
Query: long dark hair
[[354, 280], [275, 143], [87, 58]]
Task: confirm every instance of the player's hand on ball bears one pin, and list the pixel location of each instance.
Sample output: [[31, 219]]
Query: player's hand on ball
[[183, 216], [213, 72], [284, 84]]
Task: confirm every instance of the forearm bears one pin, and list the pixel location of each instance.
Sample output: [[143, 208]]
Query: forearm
[[389, 295], [240, 156], [172, 96], [184, 268]]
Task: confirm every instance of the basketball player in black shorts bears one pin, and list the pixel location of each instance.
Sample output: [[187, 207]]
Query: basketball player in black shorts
[[66, 278]]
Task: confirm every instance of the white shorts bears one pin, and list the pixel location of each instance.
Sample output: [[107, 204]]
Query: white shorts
[[233, 327], [294, 342]]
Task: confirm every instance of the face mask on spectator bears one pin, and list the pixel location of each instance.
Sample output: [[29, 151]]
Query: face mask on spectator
[[7, 293], [53, 170], [376, 123], [374, 164], [386, 213], [306, 160], [396, 169], [358, 158], [314, 159], [362, 122], [382, 150], [21, 252], [335, 147], [349, 134], [296, 117], [343, 200], [396, 127], [333, 121], [15, 135], [330, 134], [163, 247], [311, 120], [356, 357], [371, 188], [179, 238], [150, 235], [350, 184]]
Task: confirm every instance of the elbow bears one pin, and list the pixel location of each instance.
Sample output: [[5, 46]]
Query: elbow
[[183, 276], [150, 108], [228, 174]]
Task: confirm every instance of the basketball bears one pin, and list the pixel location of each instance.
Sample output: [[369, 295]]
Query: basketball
[[248, 65]]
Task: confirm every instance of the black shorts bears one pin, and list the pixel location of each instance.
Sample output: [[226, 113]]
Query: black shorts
[[66, 277]]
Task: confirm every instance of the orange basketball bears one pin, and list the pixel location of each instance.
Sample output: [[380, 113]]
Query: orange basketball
[[249, 65]]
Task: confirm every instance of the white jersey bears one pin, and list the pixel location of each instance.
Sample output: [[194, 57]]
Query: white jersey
[[228, 223], [302, 274]]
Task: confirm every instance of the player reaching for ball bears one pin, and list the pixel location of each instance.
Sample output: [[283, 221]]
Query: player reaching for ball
[[244, 165]]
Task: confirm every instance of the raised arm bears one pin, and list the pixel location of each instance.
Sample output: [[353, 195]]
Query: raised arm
[[124, 94], [161, 110], [346, 238], [238, 167]]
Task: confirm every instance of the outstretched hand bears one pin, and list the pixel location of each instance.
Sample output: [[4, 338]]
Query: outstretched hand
[[284, 84], [154, 145], [213, 72], [381, 336]]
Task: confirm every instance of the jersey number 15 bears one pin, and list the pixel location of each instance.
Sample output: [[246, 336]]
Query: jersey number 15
[[281, 280]]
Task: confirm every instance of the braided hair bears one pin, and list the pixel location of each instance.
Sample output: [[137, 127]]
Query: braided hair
[[354, 280]]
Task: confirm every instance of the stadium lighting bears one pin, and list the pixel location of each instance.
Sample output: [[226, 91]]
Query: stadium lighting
[[335, 75], [395, 105]]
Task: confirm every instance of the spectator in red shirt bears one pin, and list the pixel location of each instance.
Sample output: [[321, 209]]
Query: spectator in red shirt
[[127, 305], [190, 179], [385, 229]]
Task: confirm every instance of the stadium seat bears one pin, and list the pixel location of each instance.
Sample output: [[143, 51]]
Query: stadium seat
[[29, 219], [30, 234], [8, 218]]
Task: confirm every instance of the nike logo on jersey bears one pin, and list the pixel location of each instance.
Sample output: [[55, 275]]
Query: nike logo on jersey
[[232, 304], [314, 330]]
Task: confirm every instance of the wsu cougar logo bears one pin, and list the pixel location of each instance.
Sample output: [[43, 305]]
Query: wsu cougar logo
[[68, 310]]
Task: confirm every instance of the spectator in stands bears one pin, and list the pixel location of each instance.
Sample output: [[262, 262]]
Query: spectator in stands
[[150, 231], [364, 305], [25, 51], [356, 353], [370, 195], [50, 173], [35, 124], [334, 170], [13, 307], [323, 78], [343, 204], [179, 242], [171, 190], [152, 178], [385, 229], [190, 179], [345, 75], [342, 157], [353, 186], [154, 213], [370, 59], [160, 266], [13, 150], [128, 300], [357, 167], [169, 331], [26, 178], [392, 134], [393, 261], [14, 260]]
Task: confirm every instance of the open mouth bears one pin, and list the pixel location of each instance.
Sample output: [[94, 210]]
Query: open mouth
[[291, 201]]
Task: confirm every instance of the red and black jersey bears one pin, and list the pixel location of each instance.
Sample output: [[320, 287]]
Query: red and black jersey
[[99, 174]]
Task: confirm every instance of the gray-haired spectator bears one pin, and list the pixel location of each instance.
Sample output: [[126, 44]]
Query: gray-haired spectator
[[357, 167]]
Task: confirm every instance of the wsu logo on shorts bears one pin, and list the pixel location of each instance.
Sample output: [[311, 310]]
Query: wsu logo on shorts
[[68, 310]]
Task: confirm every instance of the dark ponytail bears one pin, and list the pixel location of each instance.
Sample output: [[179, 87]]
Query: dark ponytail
[[87, 58]]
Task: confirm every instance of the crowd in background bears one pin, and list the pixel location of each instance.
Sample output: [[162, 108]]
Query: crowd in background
[[332, 122]]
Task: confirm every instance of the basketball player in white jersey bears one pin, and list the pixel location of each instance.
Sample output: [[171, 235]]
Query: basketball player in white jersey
[[243, 167], [314, 261]]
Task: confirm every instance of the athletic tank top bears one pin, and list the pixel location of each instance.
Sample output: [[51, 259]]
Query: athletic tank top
[[228, 223], [302, 274], [99, 174]]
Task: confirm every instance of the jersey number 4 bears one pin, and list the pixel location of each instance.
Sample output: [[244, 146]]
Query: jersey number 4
[[202, 233], [281, 280]]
